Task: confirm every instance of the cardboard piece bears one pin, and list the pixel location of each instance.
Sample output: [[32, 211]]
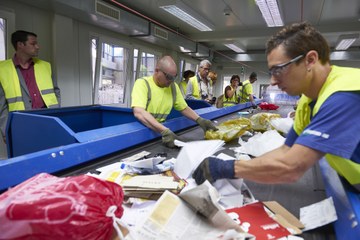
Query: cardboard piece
[[284, 217], [276, 208], [254, 219], [266, 220]]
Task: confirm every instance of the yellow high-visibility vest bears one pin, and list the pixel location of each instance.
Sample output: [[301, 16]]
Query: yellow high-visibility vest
[[10, 82], [196, 88], [339, 79], [230, 101]]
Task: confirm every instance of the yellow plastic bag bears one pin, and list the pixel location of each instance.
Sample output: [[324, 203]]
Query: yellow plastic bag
[[229, 130], [261, 121]]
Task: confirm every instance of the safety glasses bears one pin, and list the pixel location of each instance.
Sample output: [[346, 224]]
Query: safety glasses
[[277, 70]]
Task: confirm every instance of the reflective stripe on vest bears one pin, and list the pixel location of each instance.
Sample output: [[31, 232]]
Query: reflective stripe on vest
[[339, 79], [160, 117]]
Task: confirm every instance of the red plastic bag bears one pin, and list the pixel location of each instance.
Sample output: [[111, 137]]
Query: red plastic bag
[[48, 207], [268, 106]]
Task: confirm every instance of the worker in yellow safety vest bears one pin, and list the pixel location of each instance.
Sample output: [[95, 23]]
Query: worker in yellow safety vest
[[199, 87], [183, 84], [25, 81], [153, 98], [230, 95], [326, 120], [246, 92]]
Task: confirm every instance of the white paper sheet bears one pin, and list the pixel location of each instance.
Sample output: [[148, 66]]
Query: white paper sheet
[[261, 143], [193, 153], [151, 181], [318, 214], [146, 163], [282, 124]]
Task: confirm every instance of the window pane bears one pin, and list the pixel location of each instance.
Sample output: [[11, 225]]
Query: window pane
[[147, 67], [94, 46], [136, 53], [2, 39], [226, 82], [190, 66], [181, 71], [109, 74]]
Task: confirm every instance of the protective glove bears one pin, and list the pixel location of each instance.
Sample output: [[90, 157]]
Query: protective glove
[[168, 138], [206, 124], [212, 169]]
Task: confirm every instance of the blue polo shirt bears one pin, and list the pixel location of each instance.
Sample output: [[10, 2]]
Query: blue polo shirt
[[335, 129]]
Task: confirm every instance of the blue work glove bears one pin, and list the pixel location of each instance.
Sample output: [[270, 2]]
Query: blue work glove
[[212, 169], [168, 138], [206, 124]]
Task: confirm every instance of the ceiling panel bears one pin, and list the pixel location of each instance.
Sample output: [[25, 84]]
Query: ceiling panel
[[245, 24]]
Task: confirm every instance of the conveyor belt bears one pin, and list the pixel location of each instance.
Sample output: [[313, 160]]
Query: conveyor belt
[[308, 190]]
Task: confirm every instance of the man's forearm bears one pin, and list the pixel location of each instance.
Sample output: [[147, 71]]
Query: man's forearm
[[267, 168], [282, 165]]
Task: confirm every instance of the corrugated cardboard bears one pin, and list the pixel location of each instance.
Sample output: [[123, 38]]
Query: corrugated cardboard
[[284, 217]]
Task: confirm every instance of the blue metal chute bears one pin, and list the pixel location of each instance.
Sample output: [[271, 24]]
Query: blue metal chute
[[52, 140]]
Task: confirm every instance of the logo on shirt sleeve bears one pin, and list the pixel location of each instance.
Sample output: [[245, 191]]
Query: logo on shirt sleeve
[[316, 133]]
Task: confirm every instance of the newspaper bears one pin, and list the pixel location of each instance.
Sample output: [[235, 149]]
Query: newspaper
[[175, 217]]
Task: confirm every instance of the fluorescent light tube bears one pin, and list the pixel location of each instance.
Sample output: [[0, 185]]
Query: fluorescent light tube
[[345, 41], [187, 15], [235, 47], [270, 12]]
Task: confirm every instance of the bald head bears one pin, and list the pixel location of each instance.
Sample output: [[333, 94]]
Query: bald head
[[167, 64], [165, 71]]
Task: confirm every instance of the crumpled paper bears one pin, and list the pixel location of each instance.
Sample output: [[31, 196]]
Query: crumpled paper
[[260, 143], [282, 124]]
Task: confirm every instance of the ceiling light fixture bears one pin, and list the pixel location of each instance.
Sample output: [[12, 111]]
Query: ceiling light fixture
[[270, 12], [345, 41], [236, 47], [186, 14]]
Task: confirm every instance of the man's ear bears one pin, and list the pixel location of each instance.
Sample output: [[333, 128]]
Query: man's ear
[[311, 58]]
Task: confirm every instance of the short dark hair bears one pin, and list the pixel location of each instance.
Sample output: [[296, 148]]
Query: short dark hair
[[233, 77], [188, 73], [300, 38], [253, 75], [20, 36]]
